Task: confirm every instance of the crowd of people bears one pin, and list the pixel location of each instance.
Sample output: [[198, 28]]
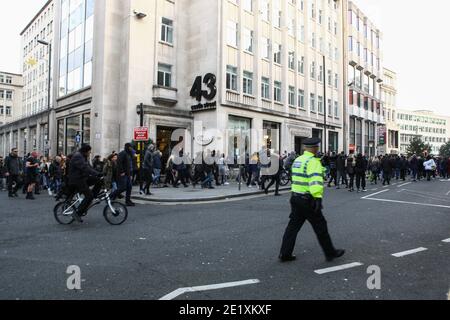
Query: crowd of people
[[350, 170], [36, 174]]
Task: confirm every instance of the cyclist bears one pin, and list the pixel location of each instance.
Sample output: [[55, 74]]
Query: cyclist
[[81, 177]]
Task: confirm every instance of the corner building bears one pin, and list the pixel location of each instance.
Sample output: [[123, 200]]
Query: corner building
[[233, 65]]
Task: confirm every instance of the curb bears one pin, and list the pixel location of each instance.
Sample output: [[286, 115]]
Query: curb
[[209, 199]]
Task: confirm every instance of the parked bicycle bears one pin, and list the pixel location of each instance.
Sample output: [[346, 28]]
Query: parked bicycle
[[285, 177], [115, 213]]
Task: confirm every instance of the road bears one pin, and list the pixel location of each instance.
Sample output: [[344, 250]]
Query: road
[[162, 248]]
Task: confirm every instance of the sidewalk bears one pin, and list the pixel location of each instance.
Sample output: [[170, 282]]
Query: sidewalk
[[191, 194]]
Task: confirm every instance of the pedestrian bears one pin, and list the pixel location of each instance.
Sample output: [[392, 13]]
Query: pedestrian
[[32, 177], [13, 172], [157, 165], [429, 166], [403, 167], [340, 170], [333, 170], [125, 168], [2, 175], [351, 162], [360, 171], [180, 171], [276, 171], [55, 174], [386, 165], [110, 173], [306, 203], [414, 166], [223, 170], [147, 170], [252, 170]]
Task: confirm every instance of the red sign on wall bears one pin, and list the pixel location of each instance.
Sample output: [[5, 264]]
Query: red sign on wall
[[141, 134]]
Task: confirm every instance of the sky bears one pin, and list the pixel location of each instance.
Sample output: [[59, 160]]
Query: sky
[[416, 45]]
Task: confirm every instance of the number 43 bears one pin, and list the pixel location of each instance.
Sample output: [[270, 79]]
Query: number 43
[[210, 81]]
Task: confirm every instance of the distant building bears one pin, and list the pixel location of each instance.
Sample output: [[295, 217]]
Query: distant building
[[389, 98], [423, 124], [10, 107]]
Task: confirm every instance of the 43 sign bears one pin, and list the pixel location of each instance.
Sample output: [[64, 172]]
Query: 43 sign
[[210, 81]]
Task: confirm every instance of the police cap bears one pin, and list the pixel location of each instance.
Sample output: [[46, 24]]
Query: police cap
[[312, 142]]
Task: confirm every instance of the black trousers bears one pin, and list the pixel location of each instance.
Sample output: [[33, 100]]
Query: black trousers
[[361, 180], [84, 188], [274, 180], [13, 178], [351, 184], [302, 210]]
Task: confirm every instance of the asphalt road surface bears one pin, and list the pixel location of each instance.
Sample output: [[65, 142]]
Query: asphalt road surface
[[163, 249]]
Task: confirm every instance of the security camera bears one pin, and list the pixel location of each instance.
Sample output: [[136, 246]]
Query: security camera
[[139, 15]]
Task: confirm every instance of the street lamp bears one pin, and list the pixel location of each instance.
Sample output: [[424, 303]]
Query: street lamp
[[49, 45]]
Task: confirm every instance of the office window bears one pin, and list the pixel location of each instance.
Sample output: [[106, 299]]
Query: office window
[[248, 40], [291, 96], [248, 83], [330, 80], [320, 104], [301, 99], [330, 108], [164, 75], [350, 43], [313, 70], [247, 5], [232, 78], [232, 33], [8, 79], [265, 88], [167, 30], [265, 10], [301, 65], [9, 95], [277, 91], [265, 48], [312, 102], [336, 80], [277, 53], [291, 61]]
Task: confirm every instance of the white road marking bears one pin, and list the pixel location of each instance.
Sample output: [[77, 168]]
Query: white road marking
[[406, 202], [446, 240], [405, 184], [448, 193], [374, 194], [338, 268], [181, 291], [406, 253]]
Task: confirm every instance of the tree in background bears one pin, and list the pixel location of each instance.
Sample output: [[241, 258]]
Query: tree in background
[[418, 147], [445, 150]]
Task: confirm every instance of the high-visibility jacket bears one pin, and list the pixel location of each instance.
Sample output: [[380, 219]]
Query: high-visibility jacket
[[308, 175]]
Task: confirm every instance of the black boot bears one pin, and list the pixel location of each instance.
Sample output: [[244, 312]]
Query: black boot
[[30, 196]]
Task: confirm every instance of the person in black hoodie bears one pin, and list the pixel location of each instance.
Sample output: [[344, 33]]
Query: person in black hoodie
[[333, 170], [351, 162], [386, 165], [125, 168], [360, 170], [13, 171], [340, 169], [403, 167]]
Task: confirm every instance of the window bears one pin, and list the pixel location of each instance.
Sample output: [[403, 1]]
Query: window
[[265, 48], [301, 99], [8, 79], [248, 40], [277, 53], [248, 83], [291, 96], [330, 108], [265, 10], [9, 95], [301, 30], [277, 91], [247, 5], [276, 13], [320, 75], [301, 65], [291, 62], [330, 80], [167, 30], [313, 70], [164, 75], [232, 78], [265, 88], [350, 43], [336, 80], [313, 40], [232, 33], [320, 104], [312, 102], [2, 78]]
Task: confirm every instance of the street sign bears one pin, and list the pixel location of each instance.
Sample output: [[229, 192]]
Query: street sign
[[141, 134]]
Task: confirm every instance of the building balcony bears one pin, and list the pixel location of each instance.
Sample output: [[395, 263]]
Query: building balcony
[[165, 95], [232, 96]]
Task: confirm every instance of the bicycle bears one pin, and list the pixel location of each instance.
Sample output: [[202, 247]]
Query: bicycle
[[285, 177], [115, 213]]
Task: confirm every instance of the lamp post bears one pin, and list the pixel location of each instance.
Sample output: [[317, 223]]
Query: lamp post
[[49, 45]]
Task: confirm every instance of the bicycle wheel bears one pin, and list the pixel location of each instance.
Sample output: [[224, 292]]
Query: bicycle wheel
[[284, 179], [119, 216], [60, 216]]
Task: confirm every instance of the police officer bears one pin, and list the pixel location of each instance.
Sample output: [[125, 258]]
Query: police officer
[[306, 203]]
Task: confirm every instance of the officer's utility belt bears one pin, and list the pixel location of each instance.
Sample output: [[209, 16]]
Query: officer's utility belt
[[304, 196]]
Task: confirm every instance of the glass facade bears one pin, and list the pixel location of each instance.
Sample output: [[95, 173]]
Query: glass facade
[[239, 129], [69, 128], [76, 36]]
